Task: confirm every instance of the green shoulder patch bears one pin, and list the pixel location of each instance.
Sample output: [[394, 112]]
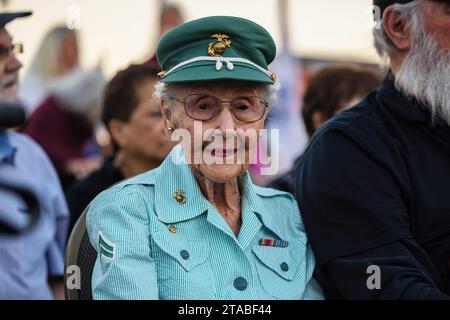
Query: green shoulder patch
[[106, 248]]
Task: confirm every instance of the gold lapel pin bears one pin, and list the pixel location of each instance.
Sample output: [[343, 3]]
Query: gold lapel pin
[[179, 197]]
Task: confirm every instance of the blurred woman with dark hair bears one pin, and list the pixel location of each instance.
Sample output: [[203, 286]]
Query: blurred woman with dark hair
[[134, 121], [335, 89]]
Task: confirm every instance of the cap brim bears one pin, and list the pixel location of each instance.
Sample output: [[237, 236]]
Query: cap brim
[[206, 71], [6, 18]]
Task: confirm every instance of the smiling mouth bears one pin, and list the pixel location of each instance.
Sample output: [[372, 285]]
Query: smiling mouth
[[224, 153]]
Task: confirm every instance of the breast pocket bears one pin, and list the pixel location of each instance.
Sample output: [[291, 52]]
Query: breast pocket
[[183, 267], [283, 272]]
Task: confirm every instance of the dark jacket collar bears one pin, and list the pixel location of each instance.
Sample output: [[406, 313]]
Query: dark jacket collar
[[406, 108]]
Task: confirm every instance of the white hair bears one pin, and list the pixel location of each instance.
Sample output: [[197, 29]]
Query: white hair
[[167, 91], [383, 44], [46, 62], [425, 73]]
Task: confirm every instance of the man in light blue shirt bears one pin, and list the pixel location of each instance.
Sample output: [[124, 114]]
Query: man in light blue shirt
[[31, 263]]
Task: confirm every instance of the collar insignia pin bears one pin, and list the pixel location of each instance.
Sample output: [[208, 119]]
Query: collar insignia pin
[[179, 197]]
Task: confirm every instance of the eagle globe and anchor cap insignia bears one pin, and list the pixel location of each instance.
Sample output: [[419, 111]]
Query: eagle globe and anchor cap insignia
[[218, 47]]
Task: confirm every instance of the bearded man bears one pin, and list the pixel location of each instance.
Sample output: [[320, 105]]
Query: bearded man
[[373, 186]]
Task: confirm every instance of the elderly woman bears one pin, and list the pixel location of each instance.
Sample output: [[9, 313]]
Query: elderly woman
[[197, 227]]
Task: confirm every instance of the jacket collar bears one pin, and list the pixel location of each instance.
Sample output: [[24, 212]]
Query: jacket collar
[[175, 174], [406, 108]]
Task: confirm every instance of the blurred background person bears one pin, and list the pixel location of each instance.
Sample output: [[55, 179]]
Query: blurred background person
[[170, 17], [31, 262], [332, 90], [134, 120], [65, 121], [58, 55], [284, 116]]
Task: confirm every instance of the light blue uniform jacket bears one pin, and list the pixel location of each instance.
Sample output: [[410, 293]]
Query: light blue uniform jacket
[[152, 246]]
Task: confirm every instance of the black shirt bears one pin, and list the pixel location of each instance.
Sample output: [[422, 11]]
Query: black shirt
[[374, 189], [81, 193]]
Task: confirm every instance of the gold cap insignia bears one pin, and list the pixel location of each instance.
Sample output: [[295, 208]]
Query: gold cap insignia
[[217, 48]]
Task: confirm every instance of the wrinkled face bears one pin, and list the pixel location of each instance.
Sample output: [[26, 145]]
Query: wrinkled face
[[436, 21], [223, 147], [9, 68], [144, 133]]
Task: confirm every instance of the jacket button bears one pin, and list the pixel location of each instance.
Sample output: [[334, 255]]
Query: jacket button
[[184, 254], [240, 284], [284, 267]]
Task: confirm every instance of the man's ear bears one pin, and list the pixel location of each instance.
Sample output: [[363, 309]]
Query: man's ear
[[117, 129], [397, 29], [167, 115]]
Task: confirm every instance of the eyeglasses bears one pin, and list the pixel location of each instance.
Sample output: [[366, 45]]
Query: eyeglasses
[[205, 107], [6, 51]]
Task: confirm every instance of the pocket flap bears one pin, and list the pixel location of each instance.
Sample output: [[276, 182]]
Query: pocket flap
[[283, 261], [188, 252]]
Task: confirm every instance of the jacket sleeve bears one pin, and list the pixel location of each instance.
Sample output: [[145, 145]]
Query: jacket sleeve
[[118, 228], [400, 273]]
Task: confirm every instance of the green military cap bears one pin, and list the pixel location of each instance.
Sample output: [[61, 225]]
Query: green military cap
[[217, 48]]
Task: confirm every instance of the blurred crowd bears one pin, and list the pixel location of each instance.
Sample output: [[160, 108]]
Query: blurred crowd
[[96, 132]]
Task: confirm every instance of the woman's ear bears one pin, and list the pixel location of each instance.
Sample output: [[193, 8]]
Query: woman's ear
[[118, 131], [397, 29], [167, 115], [317, 119]]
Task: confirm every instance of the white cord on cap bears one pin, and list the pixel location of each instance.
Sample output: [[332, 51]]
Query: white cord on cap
[[221, 60], [219, 64]]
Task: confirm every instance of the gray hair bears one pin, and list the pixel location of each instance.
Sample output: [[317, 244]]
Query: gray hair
[[383, 44], [45, 63], [424, 73], [167, 91]]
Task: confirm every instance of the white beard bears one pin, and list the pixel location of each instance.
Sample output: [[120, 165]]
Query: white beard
[[425, 74]]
